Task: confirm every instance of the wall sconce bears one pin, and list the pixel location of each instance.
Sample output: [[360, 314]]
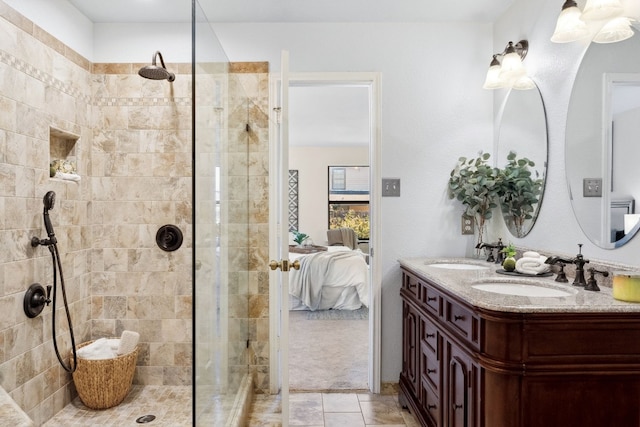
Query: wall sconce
[[572, 23], [506, 69]]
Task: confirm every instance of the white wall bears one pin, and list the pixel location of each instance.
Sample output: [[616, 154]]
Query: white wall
[[312, 164], [434, 110]]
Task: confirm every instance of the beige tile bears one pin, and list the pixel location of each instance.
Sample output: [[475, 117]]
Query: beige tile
[[381, 412], [340, 402], [305, 409], [336, 419]]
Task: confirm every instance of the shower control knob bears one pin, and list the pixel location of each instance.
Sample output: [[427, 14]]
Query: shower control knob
[[35, 299]]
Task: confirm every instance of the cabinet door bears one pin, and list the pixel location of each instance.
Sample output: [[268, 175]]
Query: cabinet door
[[457, 393], [410, 346], [462, 388]]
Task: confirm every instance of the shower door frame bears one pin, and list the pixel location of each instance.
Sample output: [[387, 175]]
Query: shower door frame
[[372, 81]]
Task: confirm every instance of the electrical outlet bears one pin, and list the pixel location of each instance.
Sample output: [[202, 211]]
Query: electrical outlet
[[467, 225], [592, 187], [390, 187]]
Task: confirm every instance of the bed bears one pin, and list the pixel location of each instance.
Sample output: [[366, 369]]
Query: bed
[[334, 279]]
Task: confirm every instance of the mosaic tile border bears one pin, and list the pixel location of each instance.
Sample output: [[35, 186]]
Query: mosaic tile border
[[48, 79]]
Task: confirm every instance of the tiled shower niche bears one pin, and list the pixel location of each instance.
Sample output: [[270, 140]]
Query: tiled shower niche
[[62, 153]]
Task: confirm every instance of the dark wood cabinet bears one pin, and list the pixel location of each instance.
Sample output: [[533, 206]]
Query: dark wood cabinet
[[464, 366]]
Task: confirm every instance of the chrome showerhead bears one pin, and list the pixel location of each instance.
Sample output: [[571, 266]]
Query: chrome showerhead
[[154, 72]]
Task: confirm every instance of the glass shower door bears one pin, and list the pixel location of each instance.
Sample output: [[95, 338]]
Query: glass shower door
[[220, 222]]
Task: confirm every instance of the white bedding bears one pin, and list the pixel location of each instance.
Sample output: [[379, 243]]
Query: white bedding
[[333, 279]]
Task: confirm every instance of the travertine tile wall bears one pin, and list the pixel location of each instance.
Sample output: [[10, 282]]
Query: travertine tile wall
[[42, 85], [141, 180]]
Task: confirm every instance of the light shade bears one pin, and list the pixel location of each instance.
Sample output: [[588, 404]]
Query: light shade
[[596, 10], [512, 68], [569, 27], [493, 80], [616, 30]]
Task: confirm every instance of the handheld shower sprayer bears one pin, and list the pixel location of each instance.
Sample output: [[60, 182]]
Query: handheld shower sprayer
[[35, 298], [49, 200]]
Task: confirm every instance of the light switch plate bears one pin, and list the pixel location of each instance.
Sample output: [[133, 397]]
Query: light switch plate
[[592, 187], [390, 187]]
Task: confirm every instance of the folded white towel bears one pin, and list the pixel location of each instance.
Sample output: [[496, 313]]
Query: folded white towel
[[531, 265], [67, 176], [128, 342], [531, 254]]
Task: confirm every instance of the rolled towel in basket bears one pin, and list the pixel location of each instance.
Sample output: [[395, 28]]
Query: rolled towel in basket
[[100, 349], [128, 342]]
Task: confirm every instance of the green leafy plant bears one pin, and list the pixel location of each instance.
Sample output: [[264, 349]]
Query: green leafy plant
[[475, 184], [299, 237], [519, 192], [509, 250]]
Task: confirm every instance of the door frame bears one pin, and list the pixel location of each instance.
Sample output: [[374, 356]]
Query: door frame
[[372, 81]]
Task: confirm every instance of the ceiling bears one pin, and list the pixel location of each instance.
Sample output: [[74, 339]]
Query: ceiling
[[294, 10], [319, 116]]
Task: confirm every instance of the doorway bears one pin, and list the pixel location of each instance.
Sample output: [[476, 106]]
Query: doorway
[[337, 85]]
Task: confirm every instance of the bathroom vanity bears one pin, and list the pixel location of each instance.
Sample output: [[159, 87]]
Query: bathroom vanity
[[485, 359]]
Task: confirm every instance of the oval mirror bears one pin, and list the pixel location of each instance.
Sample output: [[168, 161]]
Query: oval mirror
[[522, 154], [601, 148]]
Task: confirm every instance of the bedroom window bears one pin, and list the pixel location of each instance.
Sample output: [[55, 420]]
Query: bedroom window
[[349, 199]]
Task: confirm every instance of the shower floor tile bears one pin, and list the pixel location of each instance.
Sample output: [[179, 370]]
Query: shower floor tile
[[171, 406]]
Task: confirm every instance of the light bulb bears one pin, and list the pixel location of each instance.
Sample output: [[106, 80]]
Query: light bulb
[[512, 68]]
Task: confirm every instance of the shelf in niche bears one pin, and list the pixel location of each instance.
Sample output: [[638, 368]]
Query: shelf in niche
[[63, 149]]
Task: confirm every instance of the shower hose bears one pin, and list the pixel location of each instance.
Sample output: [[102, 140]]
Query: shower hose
[[57, 266]]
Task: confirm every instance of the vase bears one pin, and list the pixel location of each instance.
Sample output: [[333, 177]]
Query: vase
[[479, 235]]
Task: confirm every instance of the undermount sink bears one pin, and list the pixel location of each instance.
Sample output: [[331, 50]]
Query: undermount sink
[[458, 266], [523, 289]]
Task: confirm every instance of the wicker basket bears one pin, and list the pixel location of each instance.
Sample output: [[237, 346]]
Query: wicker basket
[[103, 384]]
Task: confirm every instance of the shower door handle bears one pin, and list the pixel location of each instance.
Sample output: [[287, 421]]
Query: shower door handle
[[284, 265]]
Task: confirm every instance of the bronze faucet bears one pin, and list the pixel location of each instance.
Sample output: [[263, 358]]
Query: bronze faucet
[[579, 261]]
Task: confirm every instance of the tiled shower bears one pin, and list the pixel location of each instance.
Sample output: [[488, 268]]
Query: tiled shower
[[131, 140]]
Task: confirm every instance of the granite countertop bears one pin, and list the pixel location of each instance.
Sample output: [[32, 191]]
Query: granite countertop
[[10, 412], [459, 283]]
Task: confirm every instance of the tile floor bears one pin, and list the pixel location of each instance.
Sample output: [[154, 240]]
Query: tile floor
[[170, 405], [327, 355], [172, 408], [332, 410]]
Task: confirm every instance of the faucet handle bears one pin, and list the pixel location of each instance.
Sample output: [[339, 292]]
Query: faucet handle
[[592, 285], [562, 276]]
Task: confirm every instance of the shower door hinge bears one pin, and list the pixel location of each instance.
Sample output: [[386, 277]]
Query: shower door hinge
[[278, 110]]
